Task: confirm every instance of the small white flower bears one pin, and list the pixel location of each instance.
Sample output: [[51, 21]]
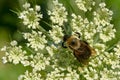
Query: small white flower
[[4, 60], [4, 48], [25, 63], [13, 43], [26, 5], [110, 12], [37, 8], [102, 4]]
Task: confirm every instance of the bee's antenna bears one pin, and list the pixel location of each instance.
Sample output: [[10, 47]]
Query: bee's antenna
[[66, 37], [79, 35]]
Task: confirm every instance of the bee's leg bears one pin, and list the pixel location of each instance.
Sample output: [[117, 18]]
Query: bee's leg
[[79, 35], [63, 45]]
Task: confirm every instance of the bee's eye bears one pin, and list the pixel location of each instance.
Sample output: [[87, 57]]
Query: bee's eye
[[73, 42]]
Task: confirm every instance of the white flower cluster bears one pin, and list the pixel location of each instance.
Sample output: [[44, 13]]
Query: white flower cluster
[[85, 5], [46, 57], [15, 54], [58, 16], [39, 62], [116, 62], [30, 16], [51, 50], [102, 18], [56, 33], [35, 40], [57, 75], [86, 28], [58, 13], [99, 26], [30, 76]]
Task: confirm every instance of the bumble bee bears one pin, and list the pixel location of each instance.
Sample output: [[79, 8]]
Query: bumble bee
[[81, 49]]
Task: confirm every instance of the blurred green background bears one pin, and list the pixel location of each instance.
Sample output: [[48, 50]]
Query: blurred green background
[[8, 27], [9, 24]]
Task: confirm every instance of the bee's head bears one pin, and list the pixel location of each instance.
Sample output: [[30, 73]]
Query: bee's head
[[70, 41], [73, 42]]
